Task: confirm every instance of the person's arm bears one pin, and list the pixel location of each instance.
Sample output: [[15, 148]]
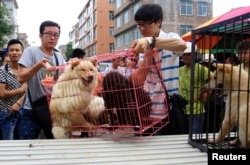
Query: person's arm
[[173, 44], [24, 73], [9, 93], [143, 44], [17, 105]]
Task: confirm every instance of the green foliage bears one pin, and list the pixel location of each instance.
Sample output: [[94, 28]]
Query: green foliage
[[6, 27], [69, 50]]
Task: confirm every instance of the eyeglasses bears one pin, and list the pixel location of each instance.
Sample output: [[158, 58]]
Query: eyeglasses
[[145, 24], [50, 34]]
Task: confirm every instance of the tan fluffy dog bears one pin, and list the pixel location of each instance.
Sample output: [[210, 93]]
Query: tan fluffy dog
[[236, 82], [72, 93]]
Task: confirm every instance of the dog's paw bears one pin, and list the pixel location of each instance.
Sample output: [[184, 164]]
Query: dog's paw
[[97, 104], [210, 140], [235, 142], [60, 133]]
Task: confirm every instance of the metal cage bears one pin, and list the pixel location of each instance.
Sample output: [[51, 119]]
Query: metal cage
[[127, 106], [221, 41]]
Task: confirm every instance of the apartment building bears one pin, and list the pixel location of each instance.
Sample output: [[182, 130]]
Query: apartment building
[[12, 7], [23, 38], [180, 16], [108, 25], [96, 26], [74, 35]]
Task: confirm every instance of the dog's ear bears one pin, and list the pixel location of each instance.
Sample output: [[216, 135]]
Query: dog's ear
[[219, 67], [74, 64], [94, 62], [226, 68]]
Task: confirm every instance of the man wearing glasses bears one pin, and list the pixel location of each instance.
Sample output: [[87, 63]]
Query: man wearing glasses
[[31, 68], [170, 46]]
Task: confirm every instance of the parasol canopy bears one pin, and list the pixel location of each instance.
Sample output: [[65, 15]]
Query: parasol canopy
[[222, 32]]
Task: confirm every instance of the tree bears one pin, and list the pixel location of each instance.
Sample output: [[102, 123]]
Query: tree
[[6, 27], [69, 49]]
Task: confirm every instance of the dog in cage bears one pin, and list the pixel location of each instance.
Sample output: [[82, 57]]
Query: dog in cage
[[126, 104], [237, 114], [71, 96]]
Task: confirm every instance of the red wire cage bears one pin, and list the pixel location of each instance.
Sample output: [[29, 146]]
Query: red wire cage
[[125, 105]]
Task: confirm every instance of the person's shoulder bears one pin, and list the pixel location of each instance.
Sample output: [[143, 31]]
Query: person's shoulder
[[30, 56], [172, 35], [58, 54], [31, 50], [182, 68], [60, 57], [169, 34], [198, 65], [201, 67], [2, 71]]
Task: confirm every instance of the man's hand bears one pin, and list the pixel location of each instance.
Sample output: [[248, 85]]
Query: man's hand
[[140, 45], [45, 63], [14, 108], [23, 87]]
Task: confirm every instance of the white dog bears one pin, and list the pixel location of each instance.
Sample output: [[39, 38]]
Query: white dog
[[71, 95], [237, 111]]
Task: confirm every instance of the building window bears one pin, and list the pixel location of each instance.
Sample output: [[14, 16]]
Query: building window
[[111, 2], [185, 28], [111, 47], [118, 41], [202, 9], [111, 15], [126, 38], [118, 21], [118, 3], [136, 7], [126, 16], [94, 33], [111, 31], [186, 7], [136, 33], [94, 50]]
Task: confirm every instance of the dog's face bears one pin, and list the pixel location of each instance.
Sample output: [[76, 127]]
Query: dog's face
[[85, 71], [223, 75], [232, 77]]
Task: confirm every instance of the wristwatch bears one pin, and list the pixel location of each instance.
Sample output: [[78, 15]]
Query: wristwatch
[[151, 42]]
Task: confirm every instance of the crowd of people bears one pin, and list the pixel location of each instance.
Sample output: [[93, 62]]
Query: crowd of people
[[23, 72]]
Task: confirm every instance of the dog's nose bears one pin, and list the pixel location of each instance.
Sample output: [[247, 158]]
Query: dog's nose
[[90, 78]]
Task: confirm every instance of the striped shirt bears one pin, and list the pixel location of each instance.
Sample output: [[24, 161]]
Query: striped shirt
[[168, 62]]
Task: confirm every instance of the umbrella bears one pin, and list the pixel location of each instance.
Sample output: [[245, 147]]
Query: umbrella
[[219, 33]]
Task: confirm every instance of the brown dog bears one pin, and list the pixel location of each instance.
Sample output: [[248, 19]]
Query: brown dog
[[127, 105], [237, 111]]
